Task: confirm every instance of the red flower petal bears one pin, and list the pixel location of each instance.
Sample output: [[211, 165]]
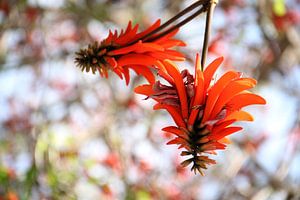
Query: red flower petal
[[210, 71], [126, 74], [175, 113], [231, 89], [171, 43], [128, 36], [154, 26], [167, 54], [224, 132], [144, 71], [118, 71], [138, 47], [174, 72], [241, 100], [165, 37], [216, 91], [178, 140], [218, 128], [136, 59], [111, 61], [239, 116], [176, 131], [144, 90], [199, 94]]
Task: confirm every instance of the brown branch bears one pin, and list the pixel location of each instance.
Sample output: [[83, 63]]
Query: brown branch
[[201, 10], [173, 19], [179, 15], [209, 15]]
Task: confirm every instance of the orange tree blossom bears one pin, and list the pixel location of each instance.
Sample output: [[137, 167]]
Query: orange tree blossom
[[203, 112]]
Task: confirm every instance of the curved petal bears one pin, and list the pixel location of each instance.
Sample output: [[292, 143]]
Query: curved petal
[[109, 38], [111, 61], [199, 91], [219, 127], [165, 37], [167, 54], [148, 47], [241, 100], [144, 71], [144, 90], [129, 27], [224, 132], [239, 116], [126, 74], [216, 91], [162, 72], [176, 131], [136, 59], [178, 140], [224, 141], [154, 26], [210, 71], [128, 36], [118, 71], [232, 89], [171, 43], [123, 50], [174, 72], [175, 113]]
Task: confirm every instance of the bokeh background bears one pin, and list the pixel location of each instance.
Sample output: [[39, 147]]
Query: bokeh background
[[69, 135]]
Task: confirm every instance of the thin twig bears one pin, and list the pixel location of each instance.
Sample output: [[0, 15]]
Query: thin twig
[[180, 14], [201, 10], [173, 19], [209, 15]]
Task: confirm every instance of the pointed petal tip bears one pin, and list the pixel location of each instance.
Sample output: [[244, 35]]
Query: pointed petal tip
[[225, 140], [220, 59], [198, 63], [157, 106], [145, 89], [168, 61], [182, 44], [167, 128], [263, 101]]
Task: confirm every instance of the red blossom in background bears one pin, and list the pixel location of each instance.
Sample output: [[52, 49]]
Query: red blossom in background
[[66, 137], [130, 49], [203, 112], [11, 195], [288, 19]]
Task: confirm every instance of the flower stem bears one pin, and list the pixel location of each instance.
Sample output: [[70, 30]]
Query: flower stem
[[173, 19], [180, 14], [209, 15], [201, 10]]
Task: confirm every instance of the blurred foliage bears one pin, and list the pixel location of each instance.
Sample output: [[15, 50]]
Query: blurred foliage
[[68, 135]]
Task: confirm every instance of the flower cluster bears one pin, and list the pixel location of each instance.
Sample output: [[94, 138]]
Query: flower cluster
[[203, 112], [130, 49]]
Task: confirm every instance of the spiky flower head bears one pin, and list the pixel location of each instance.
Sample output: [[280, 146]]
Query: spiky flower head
[[204, 113], [130, 50]]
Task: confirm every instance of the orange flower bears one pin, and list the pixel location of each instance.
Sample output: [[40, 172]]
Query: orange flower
[[129, 49], [203, 112]]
